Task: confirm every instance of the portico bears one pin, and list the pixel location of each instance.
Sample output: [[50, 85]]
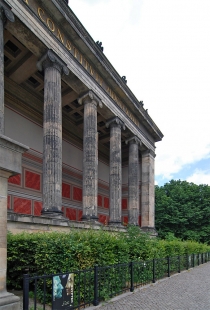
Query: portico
[[92, 143]]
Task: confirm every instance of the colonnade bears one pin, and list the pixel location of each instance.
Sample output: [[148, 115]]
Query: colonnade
[[53, 67], [11, 156]]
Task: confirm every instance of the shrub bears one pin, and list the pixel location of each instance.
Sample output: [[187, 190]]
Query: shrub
[[47, 253]]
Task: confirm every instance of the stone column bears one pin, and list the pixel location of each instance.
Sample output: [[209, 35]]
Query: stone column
[[10, 164], [90, 156], [133, 180], [53, 67], [147, 192], [115, 174], [5, 13]]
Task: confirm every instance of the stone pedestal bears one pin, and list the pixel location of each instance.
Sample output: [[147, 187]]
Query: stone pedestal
[[115, 174], [90, 157], [53, 67], [133, 180], [147, 192], [10, 164]]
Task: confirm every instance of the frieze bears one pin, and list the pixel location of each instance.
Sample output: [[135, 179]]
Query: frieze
[[48, 21]]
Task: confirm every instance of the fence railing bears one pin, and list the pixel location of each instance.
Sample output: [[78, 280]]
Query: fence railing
[[81, 288]]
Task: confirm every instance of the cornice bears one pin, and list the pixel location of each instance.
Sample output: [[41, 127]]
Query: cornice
[[65, 10]]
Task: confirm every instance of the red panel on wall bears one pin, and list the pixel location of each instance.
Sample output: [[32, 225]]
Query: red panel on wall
[[77, 193], [106, 202], [32, 180], [8, 202], [124, 203], [102, 218], [99, 200], [16, 179], [125, 220], [71, 214], [37, 208], [66, 190], [79, 215], [22, 205], [140, 220]]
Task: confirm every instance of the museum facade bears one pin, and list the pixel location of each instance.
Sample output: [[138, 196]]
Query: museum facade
[[91, 142], [76, 146]]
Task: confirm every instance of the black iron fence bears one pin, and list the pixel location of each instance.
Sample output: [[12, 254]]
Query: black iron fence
[[81, 288]]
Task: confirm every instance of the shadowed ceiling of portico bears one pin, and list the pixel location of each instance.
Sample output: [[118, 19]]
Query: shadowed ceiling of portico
[[24, 91]]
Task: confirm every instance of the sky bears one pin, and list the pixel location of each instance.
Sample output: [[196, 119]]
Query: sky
[[163, 49]]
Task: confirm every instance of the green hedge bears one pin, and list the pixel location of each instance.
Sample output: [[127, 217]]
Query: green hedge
[[46, 253]]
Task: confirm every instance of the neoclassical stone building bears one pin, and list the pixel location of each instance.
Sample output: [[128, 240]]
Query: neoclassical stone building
[[76, 146], [91, 142]]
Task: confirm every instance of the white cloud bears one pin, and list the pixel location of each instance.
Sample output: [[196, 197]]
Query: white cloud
[[163, 48], [200, 177]]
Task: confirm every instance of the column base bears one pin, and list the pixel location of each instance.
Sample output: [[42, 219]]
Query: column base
[[52, 213], [151, 230], [90, 219], [115, 223], [9, 301], [134, 224]]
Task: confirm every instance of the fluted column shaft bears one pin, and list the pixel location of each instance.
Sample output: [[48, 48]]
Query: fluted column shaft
[[148, 191], [133, 181], [90, 156], [52, 141], [52, 133], [115, 174]]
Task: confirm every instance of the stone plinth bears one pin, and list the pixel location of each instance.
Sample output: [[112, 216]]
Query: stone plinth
[[10, 164], [18, 223]]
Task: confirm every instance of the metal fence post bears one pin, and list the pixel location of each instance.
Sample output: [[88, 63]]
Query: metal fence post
[[131, 270], [153, 271], [179, 270], [25, 291], [168, 260], [201, 258], [193, 260], [198, 259], [95, 301], [187, 266]]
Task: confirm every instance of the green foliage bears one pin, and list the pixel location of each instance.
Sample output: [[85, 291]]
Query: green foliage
[[183, 209], [55, 252], [47, 253]]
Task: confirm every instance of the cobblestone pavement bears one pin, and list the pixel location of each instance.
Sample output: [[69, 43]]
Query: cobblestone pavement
[[188, 290]]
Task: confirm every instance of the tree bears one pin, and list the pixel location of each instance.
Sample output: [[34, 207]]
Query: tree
[[183, 208]]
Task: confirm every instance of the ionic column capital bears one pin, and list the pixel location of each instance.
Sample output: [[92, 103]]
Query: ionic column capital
[[115, 122], [90, 97], [134, 140], [50, 59], [147, 153], [5, 12]]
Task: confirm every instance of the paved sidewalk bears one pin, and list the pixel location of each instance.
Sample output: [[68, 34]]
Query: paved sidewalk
[[188, 290]]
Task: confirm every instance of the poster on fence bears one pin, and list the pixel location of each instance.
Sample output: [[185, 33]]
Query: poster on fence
[[63, 292]]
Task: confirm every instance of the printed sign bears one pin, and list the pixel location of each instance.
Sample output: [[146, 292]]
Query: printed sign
[[63, 292]]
